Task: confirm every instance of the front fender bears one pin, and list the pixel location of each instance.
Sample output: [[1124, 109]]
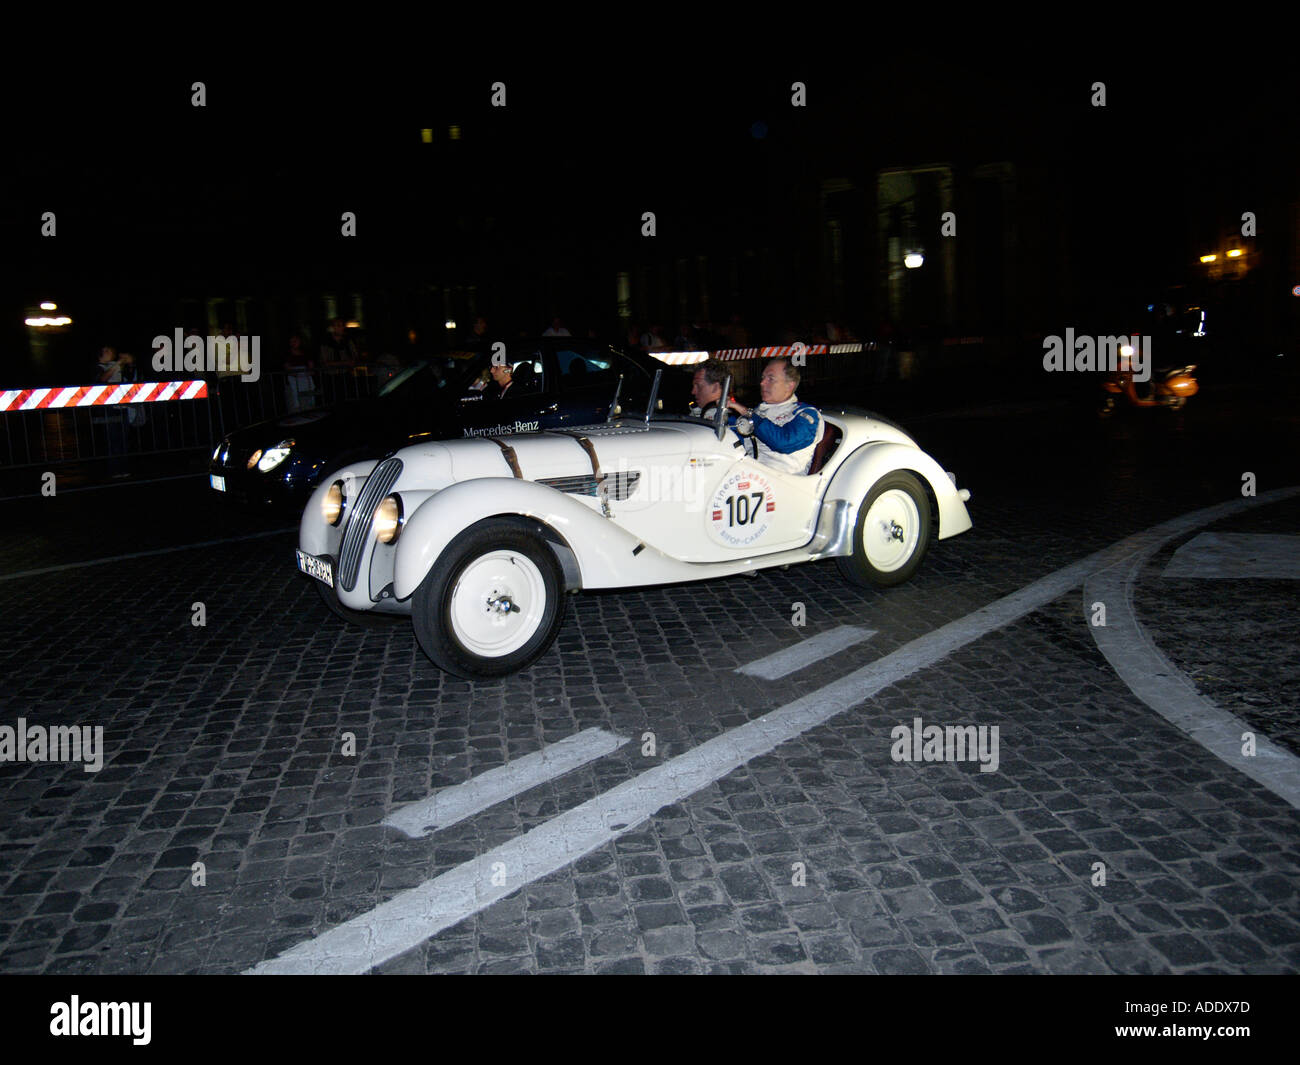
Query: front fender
[[315, 535], [601, 549], [862, 469]]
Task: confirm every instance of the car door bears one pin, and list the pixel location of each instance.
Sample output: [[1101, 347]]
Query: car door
[[711, 502], [743, 508]]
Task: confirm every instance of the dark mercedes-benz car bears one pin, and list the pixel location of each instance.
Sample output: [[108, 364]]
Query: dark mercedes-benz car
[[556, 382]]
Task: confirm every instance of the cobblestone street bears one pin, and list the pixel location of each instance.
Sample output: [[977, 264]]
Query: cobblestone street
[[1105, 839]]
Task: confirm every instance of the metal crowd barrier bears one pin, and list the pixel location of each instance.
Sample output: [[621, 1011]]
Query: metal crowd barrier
[[48, 436]]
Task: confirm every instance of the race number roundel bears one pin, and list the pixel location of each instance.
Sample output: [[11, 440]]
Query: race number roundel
[[741, 510]]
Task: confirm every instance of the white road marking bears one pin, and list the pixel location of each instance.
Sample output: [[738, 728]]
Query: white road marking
[[456, 803], [1166, 689], [414, 915], [145, 554], [806, 652], [1236, 556]]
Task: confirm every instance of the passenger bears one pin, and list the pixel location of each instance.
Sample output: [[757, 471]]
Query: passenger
[[710, 376], [786, 430]]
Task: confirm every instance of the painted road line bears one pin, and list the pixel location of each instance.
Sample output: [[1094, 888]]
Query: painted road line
[[456, 803], [1170, 692], [1237, 556], [145, 554], [414, 915], [806, 652]]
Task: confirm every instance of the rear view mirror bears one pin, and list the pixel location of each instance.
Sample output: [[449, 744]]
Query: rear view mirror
[[654, 402], [720, 423], [614, 409]]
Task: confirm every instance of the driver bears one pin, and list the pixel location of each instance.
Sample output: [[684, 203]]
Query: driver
[[787, 431], [503, 375], [707, 388]]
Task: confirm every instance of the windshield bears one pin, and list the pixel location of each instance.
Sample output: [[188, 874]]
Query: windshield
[[402, 378], [459, 373]]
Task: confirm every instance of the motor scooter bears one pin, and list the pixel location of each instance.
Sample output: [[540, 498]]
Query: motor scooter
[[1168, 388]]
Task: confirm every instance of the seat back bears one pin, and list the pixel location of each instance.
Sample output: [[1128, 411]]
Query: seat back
[[831, 437], [525, 378]]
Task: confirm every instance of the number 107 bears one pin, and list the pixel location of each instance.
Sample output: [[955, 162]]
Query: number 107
[[741, 512]]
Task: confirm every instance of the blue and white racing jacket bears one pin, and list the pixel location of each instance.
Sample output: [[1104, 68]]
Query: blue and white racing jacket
[[787, 434]]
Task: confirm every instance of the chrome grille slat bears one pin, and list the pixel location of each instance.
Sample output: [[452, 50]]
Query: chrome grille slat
[[377, 486]]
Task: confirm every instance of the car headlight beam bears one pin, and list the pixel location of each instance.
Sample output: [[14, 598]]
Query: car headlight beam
[[272, 457], [388, 519], [334, 503]]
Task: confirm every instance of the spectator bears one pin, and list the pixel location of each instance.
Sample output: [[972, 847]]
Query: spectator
[[557, 328], [654, 340], [112, 417], [229, 347], [633, 337], [337, 352], [135, 415], [300, 377], [109, 370]]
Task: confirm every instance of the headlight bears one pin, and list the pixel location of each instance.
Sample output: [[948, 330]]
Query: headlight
[[1126, 350], [331, 506], [388, 520], [273, 457], [252, 459]]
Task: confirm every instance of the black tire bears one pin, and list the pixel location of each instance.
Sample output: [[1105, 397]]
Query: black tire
[[905, 506], [499, 562], [362, 619]]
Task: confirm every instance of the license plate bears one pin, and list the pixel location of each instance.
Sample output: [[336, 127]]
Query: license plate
[[320, 568], [219, 483]]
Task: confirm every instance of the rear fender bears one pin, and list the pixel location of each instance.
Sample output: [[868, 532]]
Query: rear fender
[[855, 477]]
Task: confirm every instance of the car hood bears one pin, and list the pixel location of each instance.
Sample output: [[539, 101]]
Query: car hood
[[372, 421]]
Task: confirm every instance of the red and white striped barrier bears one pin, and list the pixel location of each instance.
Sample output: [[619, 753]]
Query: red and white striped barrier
[[101, 395], [783, 351]]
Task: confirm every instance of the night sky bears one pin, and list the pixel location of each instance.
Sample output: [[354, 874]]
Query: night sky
[[155, 197]]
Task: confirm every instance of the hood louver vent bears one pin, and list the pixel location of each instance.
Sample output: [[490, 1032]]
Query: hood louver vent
[[618, 485]]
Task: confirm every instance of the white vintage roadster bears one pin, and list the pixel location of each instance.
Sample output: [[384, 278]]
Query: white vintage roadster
[[478, 540]]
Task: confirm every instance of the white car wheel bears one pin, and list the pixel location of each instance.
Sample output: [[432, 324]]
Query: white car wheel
[[492, 603], [497, 603], [892, 533]]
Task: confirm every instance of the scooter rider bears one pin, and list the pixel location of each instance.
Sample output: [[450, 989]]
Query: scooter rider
[[786, 430]]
